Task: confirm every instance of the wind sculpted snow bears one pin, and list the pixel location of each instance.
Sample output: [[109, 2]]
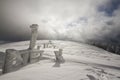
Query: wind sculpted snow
[[82, 62]]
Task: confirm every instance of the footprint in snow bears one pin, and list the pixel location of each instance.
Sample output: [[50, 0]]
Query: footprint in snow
[[91, 77]]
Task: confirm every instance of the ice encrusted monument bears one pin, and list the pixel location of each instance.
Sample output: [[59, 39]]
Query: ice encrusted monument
[[34, 32], [15, 59]]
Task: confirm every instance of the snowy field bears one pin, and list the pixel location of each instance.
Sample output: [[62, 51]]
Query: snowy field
[[82, 62]]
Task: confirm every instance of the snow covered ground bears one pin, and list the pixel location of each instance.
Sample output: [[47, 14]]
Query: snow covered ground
[[82, 62]]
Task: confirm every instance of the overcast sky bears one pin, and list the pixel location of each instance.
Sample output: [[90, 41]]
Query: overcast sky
[[77, 20]]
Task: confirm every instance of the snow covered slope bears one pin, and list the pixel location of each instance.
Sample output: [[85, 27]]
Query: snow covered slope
[[82, 62]]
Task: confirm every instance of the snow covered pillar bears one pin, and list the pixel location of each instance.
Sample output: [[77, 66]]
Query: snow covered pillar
[[34, 32]]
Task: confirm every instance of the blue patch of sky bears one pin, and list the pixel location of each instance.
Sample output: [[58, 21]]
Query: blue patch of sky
[[109, 7]]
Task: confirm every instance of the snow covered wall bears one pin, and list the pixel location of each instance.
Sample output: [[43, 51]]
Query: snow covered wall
[[14, 60]]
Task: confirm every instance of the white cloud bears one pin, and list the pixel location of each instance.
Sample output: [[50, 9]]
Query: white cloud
[[53, 17]]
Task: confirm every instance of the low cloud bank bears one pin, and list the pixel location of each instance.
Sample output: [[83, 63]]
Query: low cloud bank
[[77, 20]]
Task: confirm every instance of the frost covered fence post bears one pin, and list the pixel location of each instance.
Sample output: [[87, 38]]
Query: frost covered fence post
[[59, 57], [34, 33]]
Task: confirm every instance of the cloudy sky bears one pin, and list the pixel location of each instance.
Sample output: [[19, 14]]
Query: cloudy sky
[[77, 20]]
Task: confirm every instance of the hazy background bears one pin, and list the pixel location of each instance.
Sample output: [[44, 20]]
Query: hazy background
[[78, 20]]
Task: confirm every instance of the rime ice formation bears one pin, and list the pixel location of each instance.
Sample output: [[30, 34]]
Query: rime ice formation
[[15, 59]]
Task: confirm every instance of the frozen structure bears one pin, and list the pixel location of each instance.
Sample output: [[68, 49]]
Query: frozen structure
[[34, 32], [15, 59]]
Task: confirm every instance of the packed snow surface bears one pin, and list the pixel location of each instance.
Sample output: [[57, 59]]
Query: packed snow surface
[[82, 62]]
